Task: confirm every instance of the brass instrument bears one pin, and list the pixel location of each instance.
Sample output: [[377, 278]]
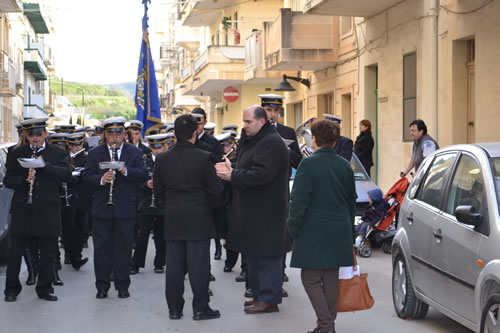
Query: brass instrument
[[29, 202], [66, 195], [152, 205], [110, 201], [305, 137]]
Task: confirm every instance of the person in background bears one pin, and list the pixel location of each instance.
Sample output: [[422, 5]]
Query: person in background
[[321, 222], [363, 147], [343, 145], [423, 145]]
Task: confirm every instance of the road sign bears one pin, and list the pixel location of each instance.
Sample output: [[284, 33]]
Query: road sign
[[231, 94]]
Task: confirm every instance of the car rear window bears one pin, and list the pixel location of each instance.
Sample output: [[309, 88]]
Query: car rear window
[[495, 165]]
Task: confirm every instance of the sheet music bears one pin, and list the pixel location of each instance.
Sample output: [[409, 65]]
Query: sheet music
[[32, 163]]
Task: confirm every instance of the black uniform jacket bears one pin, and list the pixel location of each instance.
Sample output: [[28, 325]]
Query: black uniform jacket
[[260, 195], [43, 218], [343, 147], [185, 178], [124, 187], [82, 189], [294, 154], [145, 193], [214, 143]]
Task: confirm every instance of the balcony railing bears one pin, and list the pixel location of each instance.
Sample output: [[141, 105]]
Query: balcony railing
[[33, 62], [226, 38], [167, 52], [201, 61], [33, 106], [253, 50], [186, 71], [7, 75]]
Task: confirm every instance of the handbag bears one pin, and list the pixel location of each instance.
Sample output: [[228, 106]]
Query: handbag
[[354, 294]]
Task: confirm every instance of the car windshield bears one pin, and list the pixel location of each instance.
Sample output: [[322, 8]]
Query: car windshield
[[495, 165], [357, 168]]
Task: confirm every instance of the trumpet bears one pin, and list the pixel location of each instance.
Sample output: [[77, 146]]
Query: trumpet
[[152, 205], [66, 195], [110, 201], [29, 202]]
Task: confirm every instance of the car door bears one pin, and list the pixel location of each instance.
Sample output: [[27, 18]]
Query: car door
[[456, 245], [420, 215]]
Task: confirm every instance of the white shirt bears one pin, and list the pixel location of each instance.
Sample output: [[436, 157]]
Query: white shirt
[[199, 136], [39, 149], [118, 152]]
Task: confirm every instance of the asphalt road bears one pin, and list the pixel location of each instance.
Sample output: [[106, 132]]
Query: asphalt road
[[146, 311]]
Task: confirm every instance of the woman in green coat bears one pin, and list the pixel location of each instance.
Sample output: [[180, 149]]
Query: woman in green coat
[[321, 222]]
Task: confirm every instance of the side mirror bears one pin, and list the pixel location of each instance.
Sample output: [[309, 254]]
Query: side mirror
[[468, 215]]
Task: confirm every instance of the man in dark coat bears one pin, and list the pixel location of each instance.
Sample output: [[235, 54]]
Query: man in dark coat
[[113, 224], [260, 201], [184, 178], [36, 216], [344, 145]]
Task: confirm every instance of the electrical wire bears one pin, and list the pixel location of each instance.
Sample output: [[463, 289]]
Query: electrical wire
[[483, 5]]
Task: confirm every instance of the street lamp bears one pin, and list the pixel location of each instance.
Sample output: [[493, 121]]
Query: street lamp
[[83, 106], [285, 86]]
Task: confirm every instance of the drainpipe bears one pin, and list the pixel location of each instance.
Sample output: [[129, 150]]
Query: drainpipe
[[435, 64]]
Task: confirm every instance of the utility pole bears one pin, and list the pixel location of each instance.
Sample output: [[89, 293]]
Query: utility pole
[[83, 106]]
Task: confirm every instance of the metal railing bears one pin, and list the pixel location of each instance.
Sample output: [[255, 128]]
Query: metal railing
[[253, 49], [8, 72], [35, 55], [201, 61], [186, 71], [167, 52], [226, 38]]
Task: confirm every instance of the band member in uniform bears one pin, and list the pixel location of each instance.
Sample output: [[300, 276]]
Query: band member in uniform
[[184, 178], [343, 145], [113, 207], [134, 132], [209, 128], [208, 139], [151, 212], [35, 207], [81, 199]]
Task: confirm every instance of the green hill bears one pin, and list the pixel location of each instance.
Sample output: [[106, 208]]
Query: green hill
[[100, 101]]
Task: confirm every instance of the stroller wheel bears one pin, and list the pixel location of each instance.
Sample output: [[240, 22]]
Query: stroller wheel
[[365, 251], [387, 247]]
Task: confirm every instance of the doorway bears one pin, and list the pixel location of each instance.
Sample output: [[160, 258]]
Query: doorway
[[346, 106], [371, 111]]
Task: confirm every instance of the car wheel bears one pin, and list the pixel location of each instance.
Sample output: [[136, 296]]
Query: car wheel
[[365, 251], [387, 247], [490, 317], [406, 304]]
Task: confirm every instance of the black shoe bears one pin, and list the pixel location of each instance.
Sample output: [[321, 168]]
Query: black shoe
[[284, 293], [159, 269], [48, 297], [56, 279], [123, 294], [210, 292], [31, 280], [209, 314], [79, 263], [249, 293], [227, 269], [242, 277], [10, 298], [285, 277], [211, 278], [174, 315], [101, 294], [134, 270], [218, 253]]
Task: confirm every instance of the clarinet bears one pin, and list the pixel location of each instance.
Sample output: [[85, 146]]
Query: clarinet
[[152, 205], [29, 202], [110, 201], [66, 196]]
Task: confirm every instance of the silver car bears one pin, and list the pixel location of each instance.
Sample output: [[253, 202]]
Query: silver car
[[446, 253]]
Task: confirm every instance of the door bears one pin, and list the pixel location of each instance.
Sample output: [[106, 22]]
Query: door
[[420, 216], [471, 102], [347, 115], [456, 245]]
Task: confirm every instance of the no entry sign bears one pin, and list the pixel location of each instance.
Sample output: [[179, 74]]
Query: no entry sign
[[231, 94]]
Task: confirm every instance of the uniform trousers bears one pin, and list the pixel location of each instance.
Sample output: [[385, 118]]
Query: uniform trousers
[[112, 251], [81, 228], [322, 287], [47, 247], [232, 258], [195, 254], [265, 278], [69, 231], [146, 224]]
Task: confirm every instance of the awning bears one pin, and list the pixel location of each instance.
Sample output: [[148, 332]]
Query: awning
[[186, 101], [34, 14]]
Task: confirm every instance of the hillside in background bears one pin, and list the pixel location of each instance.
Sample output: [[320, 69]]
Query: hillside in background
[[101, 102]]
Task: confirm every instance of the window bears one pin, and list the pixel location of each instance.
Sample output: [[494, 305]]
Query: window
[[345, 25], [409, 93], [435, 181], [467, 186]]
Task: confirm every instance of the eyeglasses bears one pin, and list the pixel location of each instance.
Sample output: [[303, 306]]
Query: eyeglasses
[[38, 134], [76, 144]]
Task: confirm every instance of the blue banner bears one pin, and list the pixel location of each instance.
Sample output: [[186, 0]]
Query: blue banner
[[146, 92]]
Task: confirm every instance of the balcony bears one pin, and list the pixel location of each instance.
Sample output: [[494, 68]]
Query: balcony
[[33, 107], [199, 13], [187, 37], [48, 58], [348, 7], [296, 41], [8, 76], [33, 62], [216, 68], [254, 62], [11, 6], [167, 55], [37, 17], [186, 71]]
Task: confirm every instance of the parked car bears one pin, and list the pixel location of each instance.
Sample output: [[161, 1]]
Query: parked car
[[5, 200], [363, 184], [446, 252]]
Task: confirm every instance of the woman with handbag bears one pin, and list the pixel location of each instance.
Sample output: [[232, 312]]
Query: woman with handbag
[[321, 222]]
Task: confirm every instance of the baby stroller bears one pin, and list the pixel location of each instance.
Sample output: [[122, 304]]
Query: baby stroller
[[385, 230]]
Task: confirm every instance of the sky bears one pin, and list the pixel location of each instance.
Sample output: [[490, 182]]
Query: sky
[[97, 41]]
